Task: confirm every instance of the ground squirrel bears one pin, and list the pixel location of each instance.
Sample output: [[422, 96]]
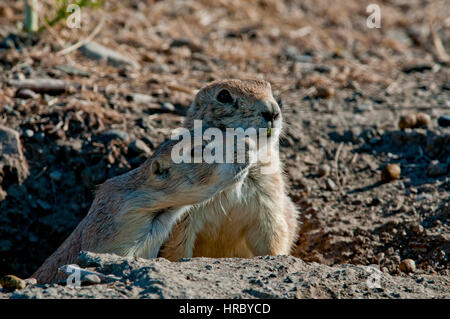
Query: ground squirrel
[[132, 214], [254, 217]]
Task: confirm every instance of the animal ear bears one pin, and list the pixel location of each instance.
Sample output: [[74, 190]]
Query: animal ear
[[224, 97]]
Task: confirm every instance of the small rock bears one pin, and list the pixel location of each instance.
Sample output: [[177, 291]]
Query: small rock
[[414, 120], [159, 68], [56, 176], [96, 51], [407, 121], [139, 147], [29, 133], [324, 170], [444, 120], [168, 106], [140, 98], [11, 283], [364, 108], [26, 94], [437, 169], [331, 185], [407, 266], [91, 279], [390, 172], [293, 54], [422, 119], [324, 92], [424, 196]]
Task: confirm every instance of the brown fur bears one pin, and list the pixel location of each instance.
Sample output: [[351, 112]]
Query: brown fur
[[255, 217], [132, 214]]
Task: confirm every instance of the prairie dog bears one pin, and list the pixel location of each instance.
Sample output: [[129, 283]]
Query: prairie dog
[[254, 217], [132, 214]]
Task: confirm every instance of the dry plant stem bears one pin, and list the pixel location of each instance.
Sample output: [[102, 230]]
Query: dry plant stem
[[85, 40], [31, 17]]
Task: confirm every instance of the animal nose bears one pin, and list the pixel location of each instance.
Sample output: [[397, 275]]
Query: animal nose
[[270, 116]]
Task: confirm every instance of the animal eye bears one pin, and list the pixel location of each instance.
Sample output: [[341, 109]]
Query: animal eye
[[224, 97]]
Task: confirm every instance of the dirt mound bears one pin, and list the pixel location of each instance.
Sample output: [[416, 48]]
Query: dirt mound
[[261, 277]]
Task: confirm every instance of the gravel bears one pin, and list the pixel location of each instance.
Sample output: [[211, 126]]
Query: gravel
[[260, 277]]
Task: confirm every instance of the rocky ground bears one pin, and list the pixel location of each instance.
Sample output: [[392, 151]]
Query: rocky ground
[[267, 277], [343, 88]]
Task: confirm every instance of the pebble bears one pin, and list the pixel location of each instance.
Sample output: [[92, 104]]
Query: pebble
[[140, 98], [56, 176], [407, 121], [414, 120], [444, 120], [167, 106], [324, 170], [423, 119], [437, 169], [29, 133], [91, 279], [324, 92], [11, 283], [364, 108], [26, 94], [407, 266], [292, 53], [96, 51], [390, 172], [331, 185], [424, 196]]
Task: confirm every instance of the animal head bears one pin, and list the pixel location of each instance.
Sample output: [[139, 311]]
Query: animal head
[[236, 104], [187, 183]]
